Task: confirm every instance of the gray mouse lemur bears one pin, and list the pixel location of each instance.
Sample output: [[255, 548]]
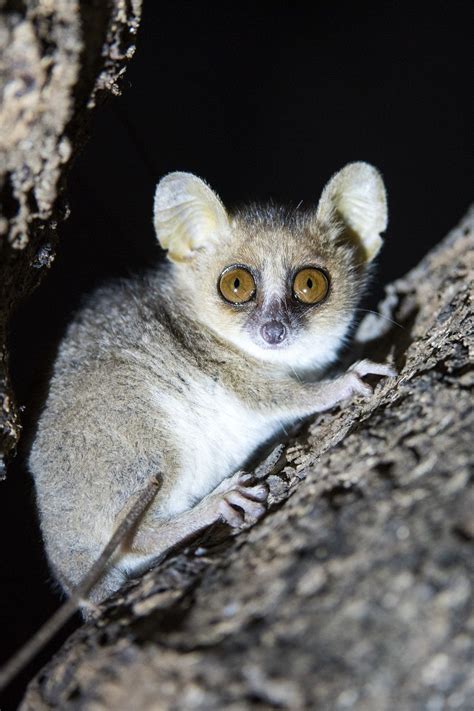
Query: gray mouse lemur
[[188, 368]]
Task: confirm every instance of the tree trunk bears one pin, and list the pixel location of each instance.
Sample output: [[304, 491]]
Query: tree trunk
[[354, 590], [57, 59]]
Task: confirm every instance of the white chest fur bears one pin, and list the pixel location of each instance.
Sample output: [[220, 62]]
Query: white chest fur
[[218, 433]]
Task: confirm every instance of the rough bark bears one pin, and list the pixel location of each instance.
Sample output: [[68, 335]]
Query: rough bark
[[57, 59], [354, 590]]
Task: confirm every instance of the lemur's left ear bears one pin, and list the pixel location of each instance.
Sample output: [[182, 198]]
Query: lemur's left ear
[[187, 215], [356, 197]]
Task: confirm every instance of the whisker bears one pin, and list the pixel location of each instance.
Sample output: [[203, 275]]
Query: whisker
[[296, 374], [359, 264], [377, 313]]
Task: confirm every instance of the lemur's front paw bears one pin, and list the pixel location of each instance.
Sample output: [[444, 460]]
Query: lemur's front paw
[[353, 377], [241, 499]]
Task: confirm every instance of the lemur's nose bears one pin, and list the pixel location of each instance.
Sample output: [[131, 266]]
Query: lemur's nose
[[273, 332]]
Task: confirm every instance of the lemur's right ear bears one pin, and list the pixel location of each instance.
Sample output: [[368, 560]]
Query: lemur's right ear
[[188, 216], [356, 198]]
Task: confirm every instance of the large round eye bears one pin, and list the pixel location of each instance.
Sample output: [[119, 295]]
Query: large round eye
[[236, 285], [310, 285]]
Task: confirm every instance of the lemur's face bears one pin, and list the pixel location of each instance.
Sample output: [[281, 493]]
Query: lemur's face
[[282, 287], [280, 292]]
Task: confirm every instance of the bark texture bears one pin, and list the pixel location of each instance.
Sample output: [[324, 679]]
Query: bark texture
[[354, 591], [57, 59]]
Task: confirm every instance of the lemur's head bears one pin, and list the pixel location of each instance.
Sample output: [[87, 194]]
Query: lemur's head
[[280, 285]]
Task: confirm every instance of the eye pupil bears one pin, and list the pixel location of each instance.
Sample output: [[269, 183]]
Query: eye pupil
[[236, 284], [310, 285]]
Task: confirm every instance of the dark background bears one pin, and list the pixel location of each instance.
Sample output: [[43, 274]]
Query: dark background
[[265, 101]]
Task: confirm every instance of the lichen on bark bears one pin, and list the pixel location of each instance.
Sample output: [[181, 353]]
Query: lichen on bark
[[58, 59]]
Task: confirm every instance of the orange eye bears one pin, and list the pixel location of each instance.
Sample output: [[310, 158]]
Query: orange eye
[[310, 285], [236, 285]]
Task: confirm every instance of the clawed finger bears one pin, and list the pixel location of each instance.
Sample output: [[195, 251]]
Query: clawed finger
[[360, 387], [230, 515], [246, 479], [368, 367], [252, 508], [256, 493]]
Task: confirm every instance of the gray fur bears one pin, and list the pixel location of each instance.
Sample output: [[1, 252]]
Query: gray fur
[[150, 378]]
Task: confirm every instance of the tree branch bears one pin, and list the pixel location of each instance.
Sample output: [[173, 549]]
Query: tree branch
[[353, 591], [57, 61]]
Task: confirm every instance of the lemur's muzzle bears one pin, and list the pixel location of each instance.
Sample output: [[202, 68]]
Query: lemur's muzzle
[[273, 332]]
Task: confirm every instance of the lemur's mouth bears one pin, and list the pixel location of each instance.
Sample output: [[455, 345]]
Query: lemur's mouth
[[274, 347]]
